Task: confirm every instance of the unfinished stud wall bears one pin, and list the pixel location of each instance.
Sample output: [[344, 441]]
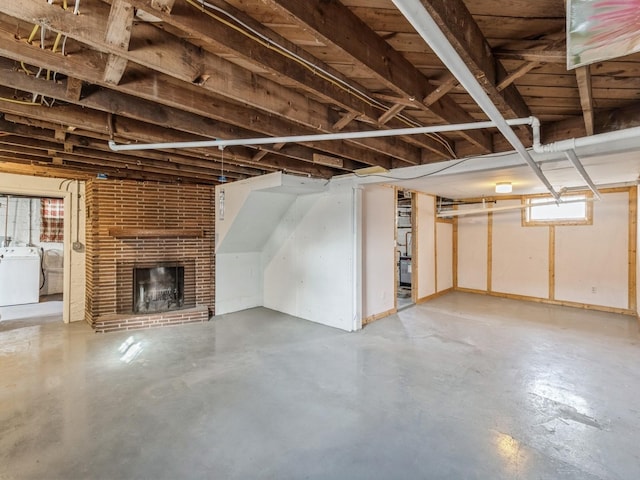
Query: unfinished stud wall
[[592, 261], [592, 266], [146, 205]]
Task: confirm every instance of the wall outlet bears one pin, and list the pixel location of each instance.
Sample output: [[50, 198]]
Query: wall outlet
[[594, 290]]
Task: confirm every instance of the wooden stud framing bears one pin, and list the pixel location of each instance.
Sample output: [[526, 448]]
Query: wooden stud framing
[[633, 248], [552, 262], [583, 77], [454, 253], [435, 246], [489, 251], [632, 262], [414, 247]]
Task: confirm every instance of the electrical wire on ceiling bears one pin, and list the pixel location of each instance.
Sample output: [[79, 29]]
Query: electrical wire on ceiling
[[424, 175], [267, 42], [50, 76]]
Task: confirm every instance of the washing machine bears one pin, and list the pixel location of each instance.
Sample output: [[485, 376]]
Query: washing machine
[[19, 275]]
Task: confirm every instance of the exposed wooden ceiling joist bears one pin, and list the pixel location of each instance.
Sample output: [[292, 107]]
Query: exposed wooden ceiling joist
[[337, 25], [156, 70]]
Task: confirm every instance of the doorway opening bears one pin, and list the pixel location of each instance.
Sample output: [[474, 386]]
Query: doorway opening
[[31, 258], [404, 249]]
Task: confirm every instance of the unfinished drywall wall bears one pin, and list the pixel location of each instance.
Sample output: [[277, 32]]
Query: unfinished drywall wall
[[444, 255], [573, 264], [309, 260], [249, 231], [520, 255], [74, 278], [238, 281], [378, 206], [472, 250], [425, 239], [592, 261], [248, 213]]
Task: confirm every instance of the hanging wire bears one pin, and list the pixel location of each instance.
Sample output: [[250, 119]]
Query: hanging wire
[[222, 178]]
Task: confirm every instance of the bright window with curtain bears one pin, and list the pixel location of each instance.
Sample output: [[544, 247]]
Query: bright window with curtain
[[52, 220]]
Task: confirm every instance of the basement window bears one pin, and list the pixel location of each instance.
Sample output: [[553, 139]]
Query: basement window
[[544, 210]]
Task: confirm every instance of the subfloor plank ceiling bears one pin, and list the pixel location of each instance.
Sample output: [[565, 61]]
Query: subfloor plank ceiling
[[75, 74]]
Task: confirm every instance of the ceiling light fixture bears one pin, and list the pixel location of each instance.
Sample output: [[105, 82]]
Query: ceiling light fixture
[[504, 187]]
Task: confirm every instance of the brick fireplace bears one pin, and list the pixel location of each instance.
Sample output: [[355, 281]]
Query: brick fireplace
[[150, 259]]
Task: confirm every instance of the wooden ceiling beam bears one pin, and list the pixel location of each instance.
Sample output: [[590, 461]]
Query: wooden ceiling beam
[[544, 56], [87, 158], [17, 166], [583, 77], [73, 91], [389, 114], [161, 52], [155, 87], [516, 74], [40, 166], [131, 130], [525, 68], [441, 90], [97, 152], [23, 126], [118, 34], [335, 24], [464, 34], [313, 76]]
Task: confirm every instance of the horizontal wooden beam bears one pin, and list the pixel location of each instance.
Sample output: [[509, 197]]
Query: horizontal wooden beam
[[159, 51], [339, 26]]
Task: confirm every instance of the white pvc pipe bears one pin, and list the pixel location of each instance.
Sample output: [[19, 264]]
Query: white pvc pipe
[[475, 211], [575, 161], [417, 15], [573, 143], [317, 137]]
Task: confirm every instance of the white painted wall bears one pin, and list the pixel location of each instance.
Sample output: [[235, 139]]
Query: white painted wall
[[592, 260], [425, 238], [227, 211], [472, 251], [309, 260], [74, 262], [378, 262], [238, 281], [444, 255], [520, 255]]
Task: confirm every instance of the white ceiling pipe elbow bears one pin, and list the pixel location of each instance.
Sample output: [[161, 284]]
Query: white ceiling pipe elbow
[[574, 143]]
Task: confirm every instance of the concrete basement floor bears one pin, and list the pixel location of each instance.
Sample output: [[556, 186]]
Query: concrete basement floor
[[463, 387]]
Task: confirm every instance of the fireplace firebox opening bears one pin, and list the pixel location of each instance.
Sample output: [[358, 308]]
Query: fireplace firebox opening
[[158, 289]]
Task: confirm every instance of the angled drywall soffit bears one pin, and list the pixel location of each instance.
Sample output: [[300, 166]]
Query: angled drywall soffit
[[254, 207]]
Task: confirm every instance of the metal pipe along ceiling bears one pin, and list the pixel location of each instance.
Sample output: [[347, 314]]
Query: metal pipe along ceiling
[[430, 32], [319, 137]]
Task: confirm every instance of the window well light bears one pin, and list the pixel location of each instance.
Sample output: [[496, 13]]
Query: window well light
[[503, 187]]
